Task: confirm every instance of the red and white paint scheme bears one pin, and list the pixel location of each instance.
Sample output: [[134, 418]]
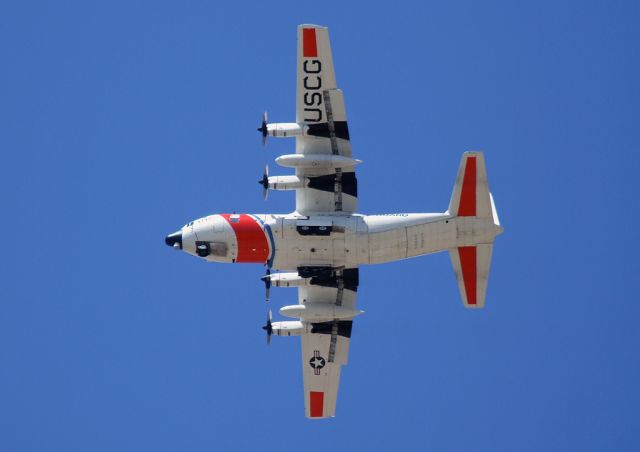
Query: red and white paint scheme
[[320, 246]]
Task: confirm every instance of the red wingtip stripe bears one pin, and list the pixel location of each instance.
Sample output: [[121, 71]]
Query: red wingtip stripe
[[309, 44], [468, 261], [467, 206], [316, 404]]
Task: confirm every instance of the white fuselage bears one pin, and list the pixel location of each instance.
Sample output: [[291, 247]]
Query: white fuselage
[[287, 242]]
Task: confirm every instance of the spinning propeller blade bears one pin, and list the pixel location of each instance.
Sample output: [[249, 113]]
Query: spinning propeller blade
[[265, 182], [263, 128], [268, 328], [267, 284]]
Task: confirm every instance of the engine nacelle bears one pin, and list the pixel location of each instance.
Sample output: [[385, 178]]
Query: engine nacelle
[[324, 161], [288, 280], [285, 129], [288, 328], [286, 182], [319, 312]]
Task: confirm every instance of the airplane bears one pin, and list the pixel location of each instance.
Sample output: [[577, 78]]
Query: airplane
[[319, 247]]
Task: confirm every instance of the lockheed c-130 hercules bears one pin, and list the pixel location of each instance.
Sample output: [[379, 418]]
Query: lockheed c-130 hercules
[[319, 247]]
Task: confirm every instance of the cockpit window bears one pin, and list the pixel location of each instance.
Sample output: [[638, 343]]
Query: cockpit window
[[235, 218]]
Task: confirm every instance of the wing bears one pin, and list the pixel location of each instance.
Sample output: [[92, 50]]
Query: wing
[[322, 360], [320, 109]]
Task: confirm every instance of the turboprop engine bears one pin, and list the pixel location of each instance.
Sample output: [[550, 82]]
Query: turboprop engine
[[289, 279], [285, 129], [279, 182], [287, 328], [280, 129]]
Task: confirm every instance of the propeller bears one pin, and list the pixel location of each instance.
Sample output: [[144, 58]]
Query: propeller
[[268, 328], [263, 128], [267, 284], [265, 182]]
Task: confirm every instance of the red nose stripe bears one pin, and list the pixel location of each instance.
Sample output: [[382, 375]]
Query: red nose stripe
[[252, 241], [309, 45], [316, 405], [468, 196], [469, 272]]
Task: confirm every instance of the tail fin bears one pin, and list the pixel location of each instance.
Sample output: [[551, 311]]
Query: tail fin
[[471, 198]]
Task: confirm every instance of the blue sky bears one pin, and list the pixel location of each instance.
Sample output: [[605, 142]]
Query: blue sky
[[121, 121]]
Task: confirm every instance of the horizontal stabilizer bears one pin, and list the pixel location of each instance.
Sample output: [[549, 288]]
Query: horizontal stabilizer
[[471, 267], [470, 197]]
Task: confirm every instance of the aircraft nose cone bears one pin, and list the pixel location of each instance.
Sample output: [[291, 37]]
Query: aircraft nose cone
[[174, 240]]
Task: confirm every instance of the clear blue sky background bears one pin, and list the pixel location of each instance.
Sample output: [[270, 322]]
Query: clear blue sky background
[[121, 121]]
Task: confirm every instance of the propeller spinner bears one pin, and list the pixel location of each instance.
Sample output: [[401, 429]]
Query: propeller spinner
[[268, 328], [265, 182], [263, 128]]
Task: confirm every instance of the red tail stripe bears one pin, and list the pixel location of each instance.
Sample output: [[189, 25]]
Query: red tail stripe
[[468, 259], [252, 241], [467, 206], [309, 45], [316, 404]]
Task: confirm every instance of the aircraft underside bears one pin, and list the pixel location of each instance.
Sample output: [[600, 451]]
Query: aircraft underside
[[320, 246]]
